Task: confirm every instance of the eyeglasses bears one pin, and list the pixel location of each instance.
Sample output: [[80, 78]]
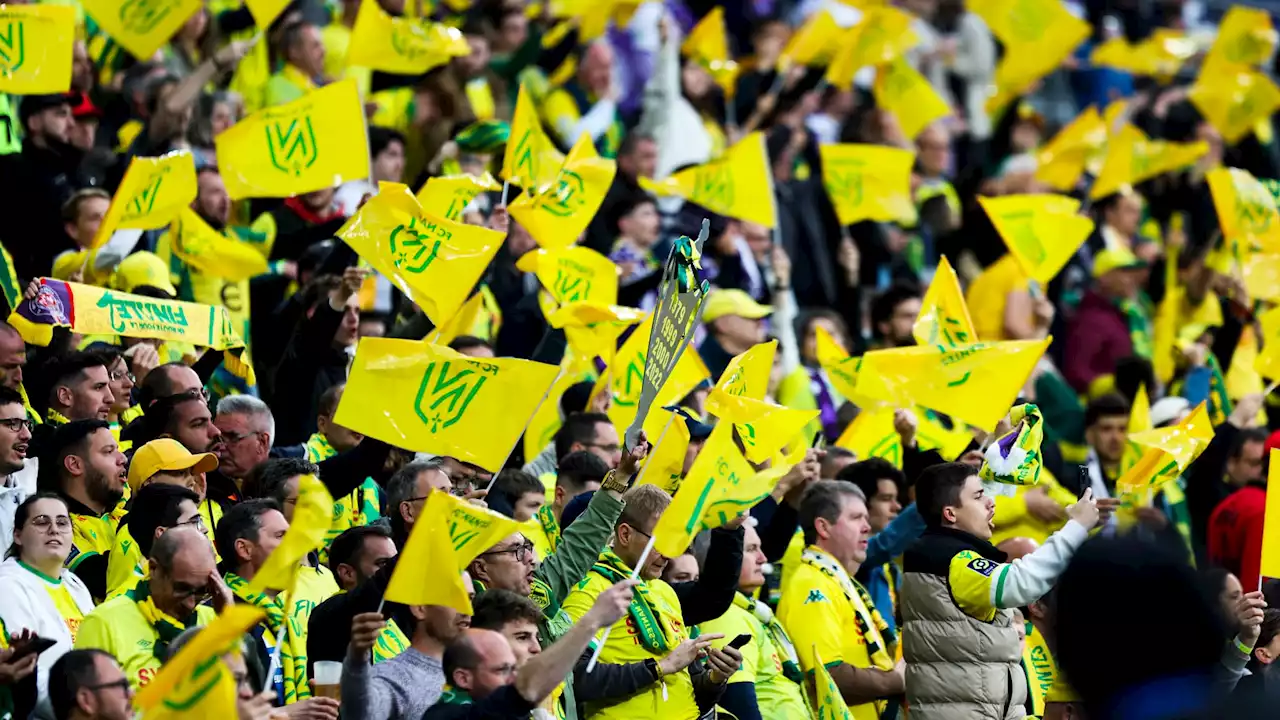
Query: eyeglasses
[[197, 522], [16, 424], [520, 552], [118, 375], [633, 527], [182, 591], [612, 448], [121, 684], [60, 523]]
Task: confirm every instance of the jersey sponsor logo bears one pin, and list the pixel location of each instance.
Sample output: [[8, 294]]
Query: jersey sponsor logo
[[982, 566], [815, 596]]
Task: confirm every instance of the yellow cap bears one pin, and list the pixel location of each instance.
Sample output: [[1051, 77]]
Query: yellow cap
[[68, 263], [733, 302], [142, 268], [1115, 259], [163, 455]]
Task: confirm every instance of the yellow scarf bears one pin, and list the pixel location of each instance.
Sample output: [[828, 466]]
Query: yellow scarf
[[1040, 668], [293, 651]]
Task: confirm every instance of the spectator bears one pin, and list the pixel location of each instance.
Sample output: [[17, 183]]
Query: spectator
[[15, 441], [588, 104], [893, 315], [89, 685], [387, 149], [881, 484], [1235, 532], [472, 346], [79, 388], [302, 67], [590, 431], [1110, 323], [580, 472], [153, 510], [248, 430], [358, 553], [519, 491], [734, 323]]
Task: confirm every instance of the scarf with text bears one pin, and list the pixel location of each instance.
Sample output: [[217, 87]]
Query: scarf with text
[[293, 650], [654, 634], [777, 633], [547, 519], [879, 638]]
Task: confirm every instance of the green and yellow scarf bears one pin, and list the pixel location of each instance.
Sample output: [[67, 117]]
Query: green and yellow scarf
[[293, 651], [546, 517], [777, 634], [880, 639], [655, 635], [1139, 321], [167, 628], [451, 695]]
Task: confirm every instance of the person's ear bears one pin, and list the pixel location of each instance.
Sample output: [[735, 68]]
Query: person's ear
[[478, 570], [322, 424], [346, 574], [87, 702], [151, 564], [159, 532], [65, 395], [463, 678], [406, 513], [244, 550], [559, 495], [73, 464], [949, 514], [1263, 655]]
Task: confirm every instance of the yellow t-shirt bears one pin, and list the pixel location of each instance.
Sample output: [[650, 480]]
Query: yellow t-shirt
[[118, 627], [989, 293], [776, 696], [816, 613], [125, 565], [624, 647], [314, 586]]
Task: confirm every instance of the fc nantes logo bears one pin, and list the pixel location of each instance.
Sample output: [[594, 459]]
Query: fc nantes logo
[[410, 251], [13, 48], [292, 145], [446, 392], [567, 197], [192, 690], [407, 39], [142, 16], [142, 203], [626, 389], [713, 186], [845, 182]]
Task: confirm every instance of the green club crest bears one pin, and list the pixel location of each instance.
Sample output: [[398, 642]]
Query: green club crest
[[626, 389], [845, 181], [736, 385], [143, 203], [445, 394], [411, 250], [1254, 211], [525, 169], [192, 690], [13, 47], [567, 197], [571, 287], [407, 40], [291, 144], [142, 16], [713, 187]]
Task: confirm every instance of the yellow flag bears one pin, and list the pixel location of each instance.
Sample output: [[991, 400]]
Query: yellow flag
[[435, 262], [739, 184], [593, 330], [1270, 565], [626, 375], [195, 683], [211, 252], [872, 435], [154, 190], [720, 486], [883, 35], [1061, 161], [906, 95], [831, 704], [36, 48], [764, 428], [664, 466], [312, 518], [842, 370], [1167, 452], [1268, 362], [428, 398], [1042, 232], [1245, 37], [265, 12], [976, 384], [574, 274], [1037, 36], [531, 160], [459, 324], [746, 376], [1246, 210], [1132, 158], [868, 182], [1139, 421], [546, 420], [140, 27], [814, 43], [706, 41], [315, 142], [448, 536], [1159, 55], [448, 196], [556, 216], [1234, 99], [1261, 273], [403, 46], [944, 321]]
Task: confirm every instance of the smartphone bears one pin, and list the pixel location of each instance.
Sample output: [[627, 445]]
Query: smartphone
[[1082, 478], [819, 441], [739, 641], [38, 645]]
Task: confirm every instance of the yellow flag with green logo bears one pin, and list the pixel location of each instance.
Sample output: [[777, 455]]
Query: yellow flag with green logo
[[207, 250], [1132, 157], [720, 486], [1166, 452], [1139, 421], [1160, 55], [842, 370], [154, 190], [1234, 99], [831, 704], [531, 160], [1061, 161], [739, 184], [36, 47], [976, 384], [1246, 36], [573, 274], [195, 683], [814, 43], [445, 539], [141, 27], [459, 324], [265, 12], [906, 95], [746, 376], [1042, 232], [315, 142], [449, 196], [764, 428], [401, 45], [593, 330], [883, 35], [1246, 211], [1037, 36], [872, 434], [556, 216], [312, 518], [433, 261], [1268, 362], [868, 182], [625, 376], [428, 398], [944, 321], [669, 436]]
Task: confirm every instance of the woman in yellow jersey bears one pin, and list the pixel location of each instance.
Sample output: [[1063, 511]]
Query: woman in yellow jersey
[[39, 594]]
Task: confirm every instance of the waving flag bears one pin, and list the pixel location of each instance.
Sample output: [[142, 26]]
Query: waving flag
[[944, 321], [401, 45], [738, 184], [868, 182], [1042, 232], [910, 98], [36, 47], [557, 215], [153, 192], [142, 28]]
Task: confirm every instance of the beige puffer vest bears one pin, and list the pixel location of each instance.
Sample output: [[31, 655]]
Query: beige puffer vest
[[958, 667]]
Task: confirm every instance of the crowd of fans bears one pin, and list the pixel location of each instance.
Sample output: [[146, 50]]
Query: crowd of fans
[[146, 483]]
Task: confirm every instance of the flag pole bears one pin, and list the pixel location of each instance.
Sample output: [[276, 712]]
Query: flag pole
[[1271, 388], [654, 449], [591, 664], [525, 427], [505, 184], [275, 652]]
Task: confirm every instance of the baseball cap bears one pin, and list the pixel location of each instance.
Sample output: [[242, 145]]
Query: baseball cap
[[733, 302], [32, 104], [698, 430], [83, 107], [1115, 259], [1168, 409], [143, 268], [166, 454]]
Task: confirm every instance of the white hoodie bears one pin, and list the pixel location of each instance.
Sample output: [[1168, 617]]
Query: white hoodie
[[25, 604], [14, 489]]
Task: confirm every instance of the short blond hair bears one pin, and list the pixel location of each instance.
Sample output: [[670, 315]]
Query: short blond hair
[[641, 503]]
